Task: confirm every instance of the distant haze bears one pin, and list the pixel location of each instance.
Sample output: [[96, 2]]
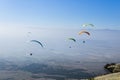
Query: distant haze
[[102, 45]]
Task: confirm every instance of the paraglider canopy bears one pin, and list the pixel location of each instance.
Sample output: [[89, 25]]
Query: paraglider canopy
[[72, 39], [37, 42], [81, 32], [85, 25]]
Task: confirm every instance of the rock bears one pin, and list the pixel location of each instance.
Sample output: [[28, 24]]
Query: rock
[[113, 67]]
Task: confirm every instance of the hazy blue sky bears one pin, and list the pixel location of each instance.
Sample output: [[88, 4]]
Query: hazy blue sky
[[60, 13], [44, 16]]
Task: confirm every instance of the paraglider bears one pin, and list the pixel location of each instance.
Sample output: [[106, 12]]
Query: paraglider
[[85, 25], [37, 42], [72, 39], [81, 32]]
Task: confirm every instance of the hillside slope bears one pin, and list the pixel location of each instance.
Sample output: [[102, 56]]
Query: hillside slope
[[112, 76]]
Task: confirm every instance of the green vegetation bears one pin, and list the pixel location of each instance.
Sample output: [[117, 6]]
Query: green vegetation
[[91, 79]]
